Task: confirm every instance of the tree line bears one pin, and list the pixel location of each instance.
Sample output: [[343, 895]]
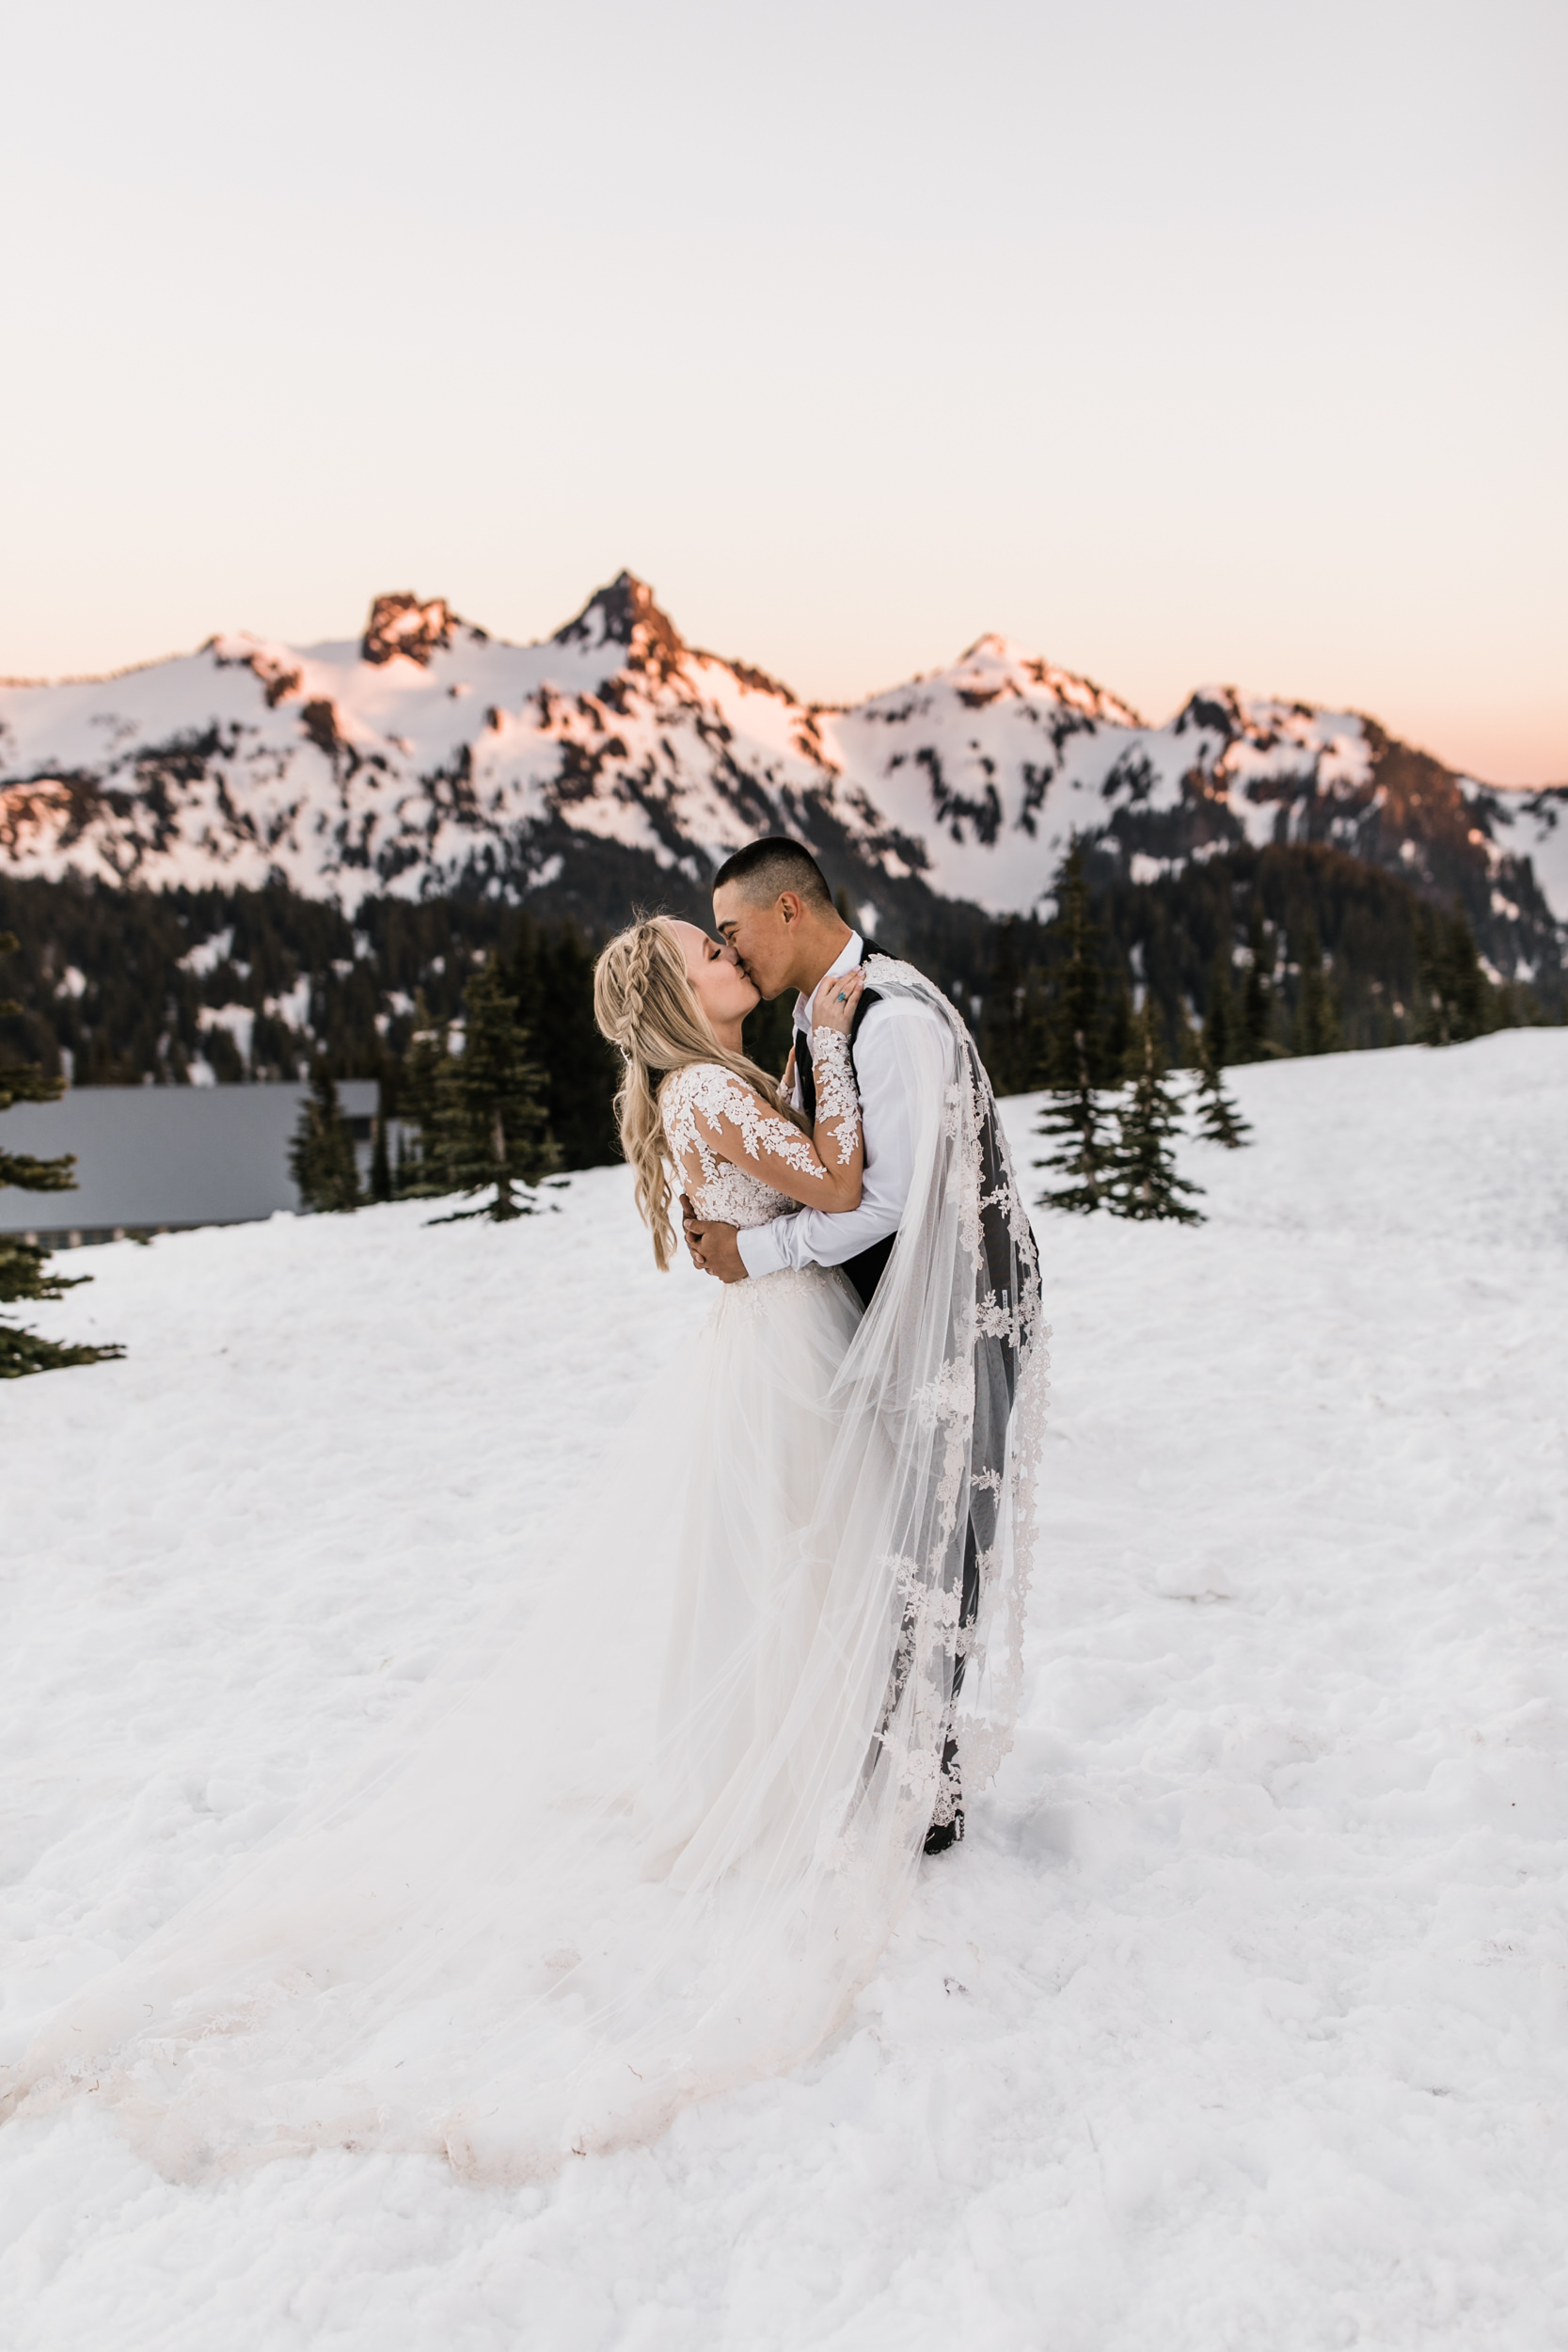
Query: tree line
[[26, 1274], [1245, 955], [1118, 1155], [1251, 955], [478, 1022], [475, 1112]]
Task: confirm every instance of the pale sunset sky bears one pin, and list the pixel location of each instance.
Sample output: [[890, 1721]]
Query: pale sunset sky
[[1180, 342]]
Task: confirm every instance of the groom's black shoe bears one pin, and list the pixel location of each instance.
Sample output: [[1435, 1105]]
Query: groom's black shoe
[[944, 1834]]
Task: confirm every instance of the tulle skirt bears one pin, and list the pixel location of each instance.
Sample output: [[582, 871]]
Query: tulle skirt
[[750, 1576], [654, 1843], [589, 1886]]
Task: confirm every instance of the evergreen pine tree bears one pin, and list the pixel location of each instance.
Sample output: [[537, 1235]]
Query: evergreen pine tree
[[24, 1273], [1073, 1017], [422, 1171], [1455, 999], [1317, 1022], [491, 1119], [1071, 1117], [1218, 1118], [321, 1157], [1142, 1180]]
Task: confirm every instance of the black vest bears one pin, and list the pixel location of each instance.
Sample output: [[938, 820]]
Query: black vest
[[864, 1271]]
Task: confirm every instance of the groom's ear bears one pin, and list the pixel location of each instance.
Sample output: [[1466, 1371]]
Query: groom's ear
[[790, 905]]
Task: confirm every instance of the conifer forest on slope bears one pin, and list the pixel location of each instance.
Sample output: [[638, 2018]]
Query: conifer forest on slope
[[1316, 949]]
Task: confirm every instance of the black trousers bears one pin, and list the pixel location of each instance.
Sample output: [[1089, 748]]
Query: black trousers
[[947, 1820]]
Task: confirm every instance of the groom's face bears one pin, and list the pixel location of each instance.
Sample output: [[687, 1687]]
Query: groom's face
[[763, 935]]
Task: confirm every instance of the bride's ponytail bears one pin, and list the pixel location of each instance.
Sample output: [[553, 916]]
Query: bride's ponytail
[[645, 1005]]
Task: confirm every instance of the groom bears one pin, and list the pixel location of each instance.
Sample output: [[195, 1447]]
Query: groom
[[775, 912]]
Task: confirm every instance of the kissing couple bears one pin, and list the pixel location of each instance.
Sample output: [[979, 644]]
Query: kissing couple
[[654, 1841]]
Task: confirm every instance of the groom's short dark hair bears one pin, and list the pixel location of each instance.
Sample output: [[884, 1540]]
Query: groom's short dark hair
[[763, 868]]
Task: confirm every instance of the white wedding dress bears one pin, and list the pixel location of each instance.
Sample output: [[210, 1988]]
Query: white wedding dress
[[653, 1847], [749, 1578]]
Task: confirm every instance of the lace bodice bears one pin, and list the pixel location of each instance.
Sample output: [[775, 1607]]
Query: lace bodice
[[698, 1098]]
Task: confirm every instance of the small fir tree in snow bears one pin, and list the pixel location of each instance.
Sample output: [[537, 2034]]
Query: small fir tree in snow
[[1142, 1182], [492, 1125], [1218, 1119], [321, 1157], [25, 1271], [26, 1276], [1071, 1118]]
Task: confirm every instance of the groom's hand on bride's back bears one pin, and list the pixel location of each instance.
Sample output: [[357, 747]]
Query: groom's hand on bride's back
[[713, 1248]]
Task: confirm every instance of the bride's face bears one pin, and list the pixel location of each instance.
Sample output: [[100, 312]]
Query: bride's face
[[723, 992]]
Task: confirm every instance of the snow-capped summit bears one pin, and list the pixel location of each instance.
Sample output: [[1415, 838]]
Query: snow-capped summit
[[626, 617], [427, 757]]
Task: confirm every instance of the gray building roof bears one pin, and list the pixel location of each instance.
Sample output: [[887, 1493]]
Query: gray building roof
[[147, 1157]]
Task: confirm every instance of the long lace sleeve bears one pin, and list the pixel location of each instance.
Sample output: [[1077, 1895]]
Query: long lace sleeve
[[710, 1116], [838, 1102]]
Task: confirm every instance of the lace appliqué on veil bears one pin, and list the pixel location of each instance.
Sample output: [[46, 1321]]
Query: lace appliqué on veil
[[984, 1467]]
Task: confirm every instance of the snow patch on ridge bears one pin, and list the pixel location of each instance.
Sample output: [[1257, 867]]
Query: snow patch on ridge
[[426, 753]]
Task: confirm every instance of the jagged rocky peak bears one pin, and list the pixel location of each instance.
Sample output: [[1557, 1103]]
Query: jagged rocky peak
[[626, 615], [995, 667], [1215, 709], [401, 623]]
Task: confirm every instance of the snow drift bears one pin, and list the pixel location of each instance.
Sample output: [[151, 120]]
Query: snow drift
[[1241, 2017]]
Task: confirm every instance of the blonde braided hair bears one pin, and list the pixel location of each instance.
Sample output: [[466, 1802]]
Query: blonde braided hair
[[645, 1003]]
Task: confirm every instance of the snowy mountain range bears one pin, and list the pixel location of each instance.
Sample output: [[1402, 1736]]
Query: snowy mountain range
[[428, 757]]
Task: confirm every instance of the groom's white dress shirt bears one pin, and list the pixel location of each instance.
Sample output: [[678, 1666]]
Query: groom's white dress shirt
[[900, 1055]]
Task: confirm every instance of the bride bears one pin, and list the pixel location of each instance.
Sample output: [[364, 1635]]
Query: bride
[[657, 1844], [748, 1599]]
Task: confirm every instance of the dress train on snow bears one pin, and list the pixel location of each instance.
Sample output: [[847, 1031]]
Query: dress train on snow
[[657, 1848]]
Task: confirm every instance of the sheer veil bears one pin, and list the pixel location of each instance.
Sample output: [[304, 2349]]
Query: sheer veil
[[462, 1949]]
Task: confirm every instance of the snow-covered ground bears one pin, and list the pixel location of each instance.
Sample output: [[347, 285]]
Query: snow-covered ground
[[1240, 2019]]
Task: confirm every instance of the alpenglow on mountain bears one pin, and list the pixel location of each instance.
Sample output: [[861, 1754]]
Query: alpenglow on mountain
[[429, 757]]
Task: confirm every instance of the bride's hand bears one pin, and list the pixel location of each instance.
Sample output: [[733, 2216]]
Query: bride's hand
[[834, 1006]]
